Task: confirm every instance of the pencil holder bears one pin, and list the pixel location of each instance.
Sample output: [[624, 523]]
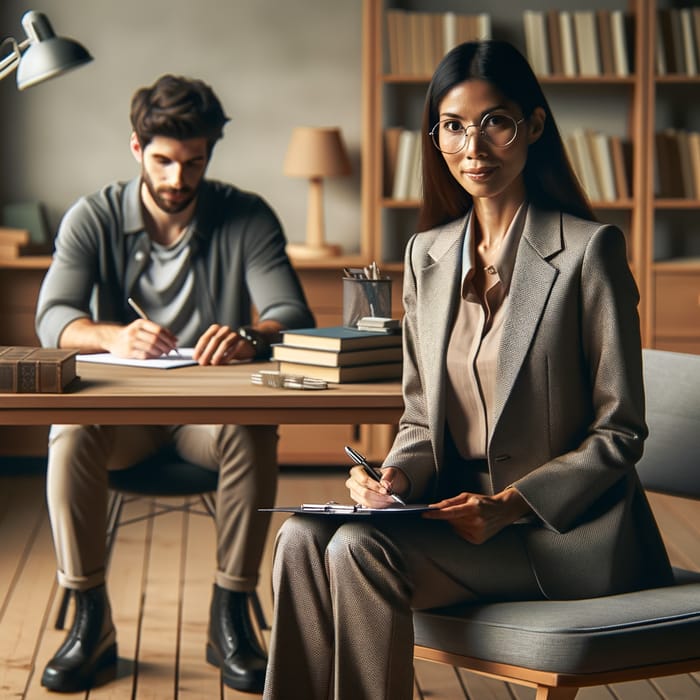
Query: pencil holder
[[365, 297]]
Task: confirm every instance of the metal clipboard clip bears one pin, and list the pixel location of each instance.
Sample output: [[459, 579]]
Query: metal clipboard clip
[[278, 380], [330, 507]]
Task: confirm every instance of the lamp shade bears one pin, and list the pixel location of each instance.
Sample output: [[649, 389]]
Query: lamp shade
[[316, 152], [47, 55]]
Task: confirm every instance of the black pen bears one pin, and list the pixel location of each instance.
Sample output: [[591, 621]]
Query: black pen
[[356, 457]]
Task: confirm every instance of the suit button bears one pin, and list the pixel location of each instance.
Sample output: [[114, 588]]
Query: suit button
[[139, 255]]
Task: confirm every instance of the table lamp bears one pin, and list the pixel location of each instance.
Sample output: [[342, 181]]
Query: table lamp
[[315, 153], [42, 54]]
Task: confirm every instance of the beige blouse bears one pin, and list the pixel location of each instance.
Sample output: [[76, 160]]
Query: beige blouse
[[472, 352]]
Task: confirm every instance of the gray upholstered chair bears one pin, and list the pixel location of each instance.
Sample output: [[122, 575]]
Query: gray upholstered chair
[[163, 476], [561, 646]]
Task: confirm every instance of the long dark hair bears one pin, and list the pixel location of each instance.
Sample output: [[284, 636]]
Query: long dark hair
[[550, 181]]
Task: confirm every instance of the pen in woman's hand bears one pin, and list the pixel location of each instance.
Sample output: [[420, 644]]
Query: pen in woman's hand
[[144, 316], [373, 473]]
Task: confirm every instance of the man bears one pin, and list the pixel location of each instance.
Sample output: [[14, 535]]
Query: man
[[194, 255]]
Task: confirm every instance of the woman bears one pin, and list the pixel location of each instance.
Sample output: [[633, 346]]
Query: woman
[[524, 405]]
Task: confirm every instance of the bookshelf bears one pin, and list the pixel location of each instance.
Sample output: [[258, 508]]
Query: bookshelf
[[617, 107], [672, 201]]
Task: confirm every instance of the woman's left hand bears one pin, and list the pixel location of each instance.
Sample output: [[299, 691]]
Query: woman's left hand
[[476, 517]]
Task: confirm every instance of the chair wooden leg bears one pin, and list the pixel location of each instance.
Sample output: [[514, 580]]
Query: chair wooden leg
[[545, 692], [258, 611]]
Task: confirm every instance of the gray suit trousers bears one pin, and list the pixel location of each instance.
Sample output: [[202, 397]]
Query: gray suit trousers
[[345, 590], [77, 487]]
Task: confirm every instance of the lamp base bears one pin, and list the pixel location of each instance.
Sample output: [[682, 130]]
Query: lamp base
[[305, 252]]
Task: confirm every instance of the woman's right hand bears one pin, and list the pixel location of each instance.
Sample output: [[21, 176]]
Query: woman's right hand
[[376, 494]]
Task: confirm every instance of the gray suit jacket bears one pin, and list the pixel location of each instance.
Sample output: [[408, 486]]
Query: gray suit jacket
[[569, 420]]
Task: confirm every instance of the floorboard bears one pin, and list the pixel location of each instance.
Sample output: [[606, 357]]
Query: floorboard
[[160, 582]]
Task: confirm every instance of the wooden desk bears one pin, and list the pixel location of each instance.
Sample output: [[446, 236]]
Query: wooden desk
[[114, 395], [300, 443]]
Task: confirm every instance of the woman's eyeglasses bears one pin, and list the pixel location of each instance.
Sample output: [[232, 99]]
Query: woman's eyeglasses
[[500, 130]]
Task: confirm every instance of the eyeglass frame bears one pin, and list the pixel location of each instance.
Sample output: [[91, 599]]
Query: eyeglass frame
[[481, 131]]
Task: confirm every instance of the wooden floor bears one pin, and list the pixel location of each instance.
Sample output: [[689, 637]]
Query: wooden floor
[[160, 584]]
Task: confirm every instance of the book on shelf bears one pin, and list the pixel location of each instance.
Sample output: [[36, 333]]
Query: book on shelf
[[677, 31], [668, 165], [392, 135], [621, 166], [556, 56], [407, 169], [601, 156], [394, 27], [694, 149], [607, 58], [695, 14], [339, 375], [36, 370], [687, 178], [587, 44], [676, 45], [339, 338], [335, 358], [568, 43], [689, 45], [578, 144], [619, 26], [536, 43]]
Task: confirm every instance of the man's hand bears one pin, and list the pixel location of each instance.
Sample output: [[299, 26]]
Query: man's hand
[[220, 345], [140, 340], [476, 517]]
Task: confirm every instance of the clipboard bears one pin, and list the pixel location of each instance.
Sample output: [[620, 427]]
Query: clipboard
[[350, 510]]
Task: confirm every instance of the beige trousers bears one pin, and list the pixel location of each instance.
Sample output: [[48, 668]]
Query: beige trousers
[[77, 491]]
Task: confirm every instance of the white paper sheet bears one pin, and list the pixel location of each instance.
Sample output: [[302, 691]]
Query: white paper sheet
[[182, 359]]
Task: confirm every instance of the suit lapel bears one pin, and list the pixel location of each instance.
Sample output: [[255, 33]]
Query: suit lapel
[[533, 277], [438, 297]]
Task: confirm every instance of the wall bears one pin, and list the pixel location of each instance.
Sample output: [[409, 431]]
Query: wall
[[274, 65]]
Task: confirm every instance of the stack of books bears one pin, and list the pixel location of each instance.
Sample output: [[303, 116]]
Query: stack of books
[[339, 354]]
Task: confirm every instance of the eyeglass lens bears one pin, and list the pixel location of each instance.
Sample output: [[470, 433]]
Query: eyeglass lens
[[450, 135]]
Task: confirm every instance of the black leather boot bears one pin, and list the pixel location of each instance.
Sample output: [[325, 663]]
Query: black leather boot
[[88, 655], [233, 646]]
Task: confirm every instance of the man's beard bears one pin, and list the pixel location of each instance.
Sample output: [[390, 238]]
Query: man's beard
[[165, 204]]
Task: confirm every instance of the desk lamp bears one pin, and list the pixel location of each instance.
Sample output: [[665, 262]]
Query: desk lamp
[[42, 54], [315, 153]]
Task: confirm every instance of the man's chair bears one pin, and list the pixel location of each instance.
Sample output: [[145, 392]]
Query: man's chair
[[163, 476], [561, 646]]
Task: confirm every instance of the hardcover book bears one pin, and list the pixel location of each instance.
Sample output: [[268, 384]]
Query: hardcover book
[[36, 370], [339, 375], [339, 338], [336, 358]]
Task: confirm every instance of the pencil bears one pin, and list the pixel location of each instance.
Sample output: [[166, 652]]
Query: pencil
[[144, 316]]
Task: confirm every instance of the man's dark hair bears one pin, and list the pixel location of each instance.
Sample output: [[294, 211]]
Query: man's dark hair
[[179, 108]]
